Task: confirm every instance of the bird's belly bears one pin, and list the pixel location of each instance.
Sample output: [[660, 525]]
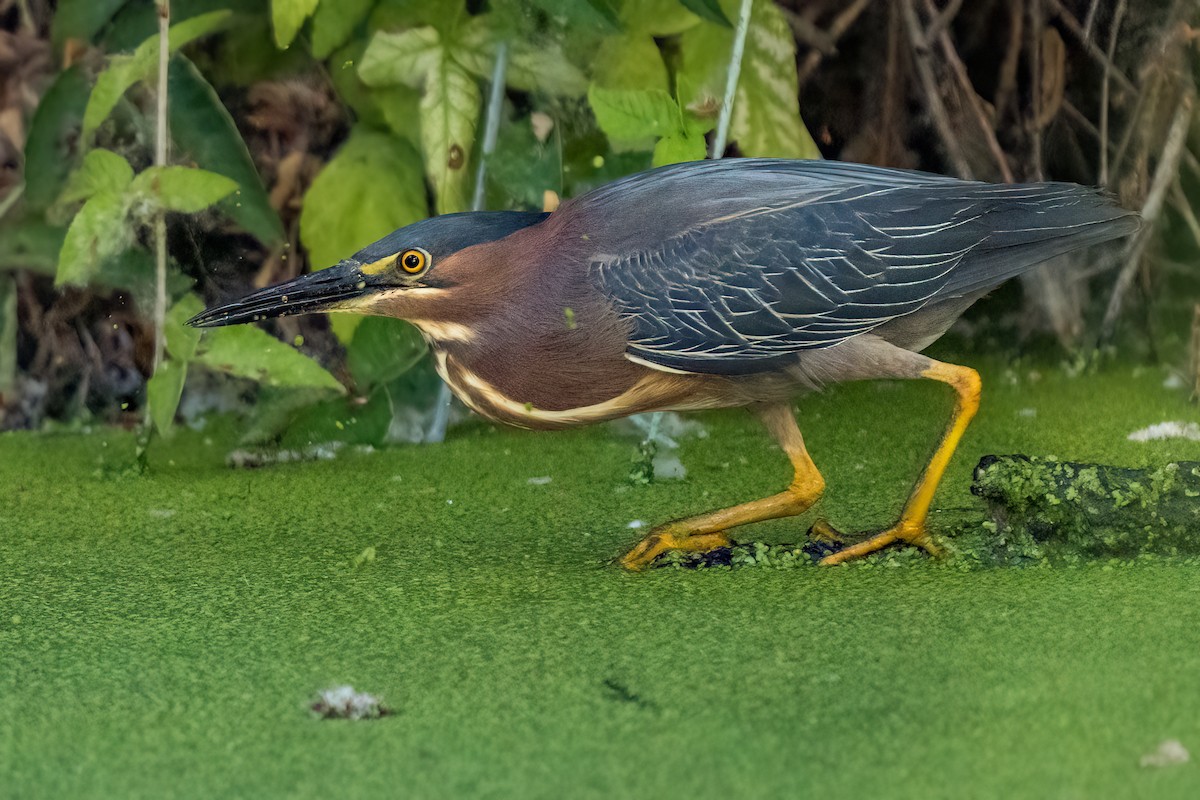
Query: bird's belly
[[651, 391]]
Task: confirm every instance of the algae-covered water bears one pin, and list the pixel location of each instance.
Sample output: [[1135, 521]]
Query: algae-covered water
[[161, 636]]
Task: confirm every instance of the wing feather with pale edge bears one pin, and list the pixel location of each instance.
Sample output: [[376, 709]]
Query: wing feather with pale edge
[[733, 267]]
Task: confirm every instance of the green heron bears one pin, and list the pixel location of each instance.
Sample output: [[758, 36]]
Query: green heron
[[711, 284]]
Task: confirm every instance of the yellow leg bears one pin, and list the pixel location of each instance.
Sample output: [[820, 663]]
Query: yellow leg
[[911, 526], [707, 531]]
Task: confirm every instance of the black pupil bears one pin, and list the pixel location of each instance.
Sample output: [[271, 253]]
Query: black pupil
[[412, 261]]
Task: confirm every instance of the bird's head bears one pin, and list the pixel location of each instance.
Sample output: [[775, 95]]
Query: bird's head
[[395, 276]]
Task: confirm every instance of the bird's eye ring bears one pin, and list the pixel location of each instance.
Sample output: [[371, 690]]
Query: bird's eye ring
[[413, 261]]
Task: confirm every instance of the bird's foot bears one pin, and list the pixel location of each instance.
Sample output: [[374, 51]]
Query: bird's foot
[[660, 541], [905, 531]]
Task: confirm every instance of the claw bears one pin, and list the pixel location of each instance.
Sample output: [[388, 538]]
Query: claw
[[655, 544]]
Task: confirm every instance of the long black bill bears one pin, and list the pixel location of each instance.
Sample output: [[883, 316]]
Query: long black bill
[[317, 291]]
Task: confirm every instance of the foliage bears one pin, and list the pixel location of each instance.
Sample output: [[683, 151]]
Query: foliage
[[596, 89]]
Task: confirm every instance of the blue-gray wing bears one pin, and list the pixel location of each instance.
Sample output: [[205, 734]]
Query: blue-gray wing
[[734, 267]]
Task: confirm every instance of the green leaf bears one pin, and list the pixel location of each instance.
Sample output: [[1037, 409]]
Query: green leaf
[[449, 106], [382, 350], [50, 147], [766, 113], [163, 391], [371, 187], [82, 19], [97, 232], [582, 14], [677, 147], [182, 339], [630, 61], [8, 334], [101, 171], [204, 133], [709, 10], [533, 66], [401, 58], [634, 114], [31, 244], [657, 17], [250, 352], [335, 21], [124, 71], [288, 18], [183, 189]]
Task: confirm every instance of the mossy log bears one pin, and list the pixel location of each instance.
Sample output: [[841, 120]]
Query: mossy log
[[1092, 510]]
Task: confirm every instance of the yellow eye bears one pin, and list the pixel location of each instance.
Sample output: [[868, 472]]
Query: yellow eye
[[413, 261]]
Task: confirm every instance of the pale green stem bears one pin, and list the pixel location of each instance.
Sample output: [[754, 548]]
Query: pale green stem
[[160, 218], [731, 79]]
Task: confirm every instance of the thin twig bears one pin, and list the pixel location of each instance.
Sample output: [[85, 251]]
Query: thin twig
[[809, 34], [841, 23], [941, 19], [1179, 202], [731, 80], [160, 160], [10, 199], [968, 88], [1090, 19], [1006, 81], [929, 87], [1076, 30], [1164, 175], [1118, 15], [1036, 20], [441, 407]]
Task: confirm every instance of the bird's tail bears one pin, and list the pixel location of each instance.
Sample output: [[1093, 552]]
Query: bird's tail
[[1030, 224]]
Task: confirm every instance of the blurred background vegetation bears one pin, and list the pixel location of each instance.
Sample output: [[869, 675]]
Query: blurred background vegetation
[[300, 130]]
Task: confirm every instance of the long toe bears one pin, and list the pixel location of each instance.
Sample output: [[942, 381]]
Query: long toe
[[655, 544], [906, 532]]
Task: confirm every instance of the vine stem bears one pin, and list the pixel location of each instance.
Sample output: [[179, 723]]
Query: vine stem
[[441, 409], [160, 160], [731, 79]]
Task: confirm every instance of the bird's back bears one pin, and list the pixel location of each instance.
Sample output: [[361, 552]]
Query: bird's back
[[734, 266]]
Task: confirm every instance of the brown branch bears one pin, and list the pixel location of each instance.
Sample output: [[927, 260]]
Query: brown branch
[[809, 34], [929, 88], [1164, 175], [1006, 82], [942, 19], [841, 24], [1072, 24], [1118, 15], [968, 88]]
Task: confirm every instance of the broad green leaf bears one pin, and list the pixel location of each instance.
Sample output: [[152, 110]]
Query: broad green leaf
[[335, 21], [533, 65], [124, 71], [250, 352], [288, 18], [53, 135], [583, 14], [449, 106], [101, 171], [634, 114], [630, 61], [657, 17], [97, 232], [372, 186], [138, 21], [163, 391], [8, 334], [382, 350], [82, 19], [181, 338], [677, 147], [401, 58], [449, 112], [29, 243], [710, 10], [766, 113], [204, 133], [183, 189]]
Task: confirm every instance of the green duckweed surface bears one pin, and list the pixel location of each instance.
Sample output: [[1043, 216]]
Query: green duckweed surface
[[161, 636]]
